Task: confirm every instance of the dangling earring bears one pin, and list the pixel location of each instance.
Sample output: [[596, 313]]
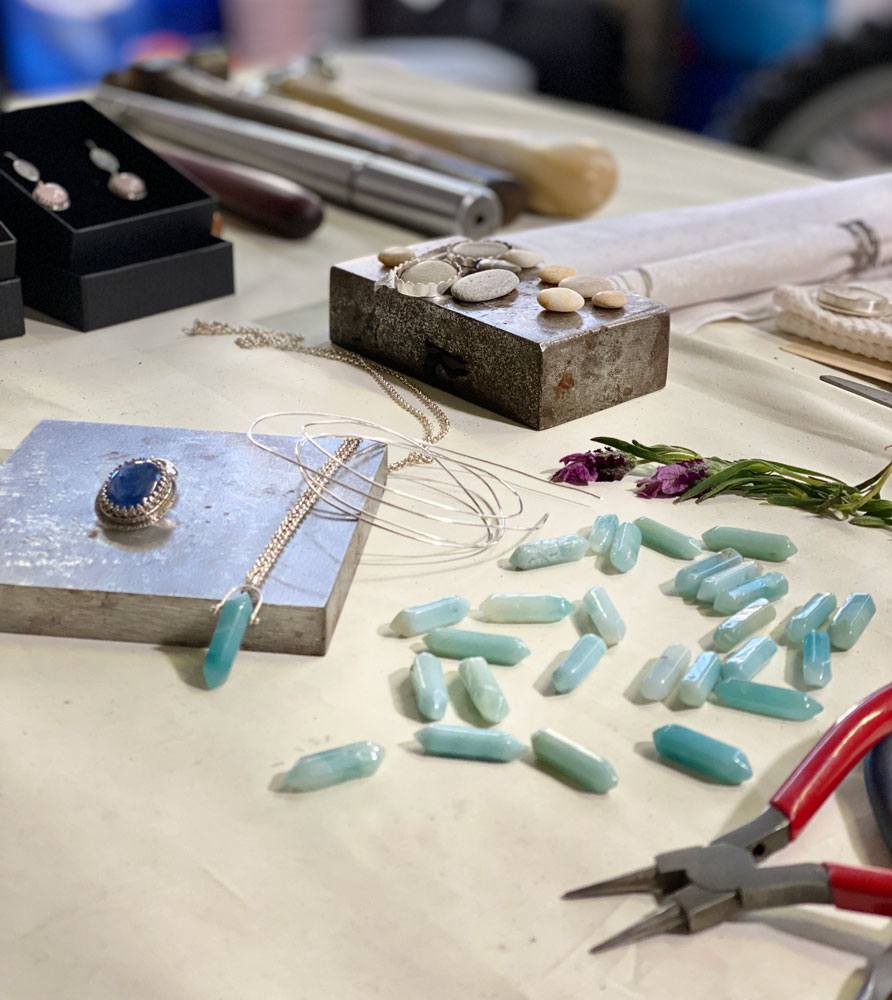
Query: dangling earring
[[47, 193], [130, 187]]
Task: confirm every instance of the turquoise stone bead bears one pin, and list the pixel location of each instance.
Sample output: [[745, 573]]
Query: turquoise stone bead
[[662, 677], [578, 663], [747, 661], [811, 615], [574, 762], [702, 754], [429, 686], [765, 699], [606, 619], [741, 625], [667, 540], [232, 621], [771, 586], [513, 608], [851, 620], [424, 617], [624, 548], [603, 530], [726, 580], [816, 672], [700, 679], [470, 743], [549, 552], [483, 688], [331, 767], [689, 578], [457, 644], [753, 544]]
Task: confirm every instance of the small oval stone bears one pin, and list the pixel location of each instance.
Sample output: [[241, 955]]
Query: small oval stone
[[488, 263], [477, 249], [552, 274], [391, 256], [484, 285], [610, 298], [586, 285], [560, 300], [429, 270], [523, 258]]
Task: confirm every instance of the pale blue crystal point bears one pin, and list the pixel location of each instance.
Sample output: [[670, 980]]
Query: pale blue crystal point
[[700, 679], [233, 619], [702, 754], [516, 608], [765, 699], [747, 661], [603, 530], [669, 541], [434, 614], [625, 546], [578, 663], [851, 620], [573, 761], [458, 644], [662, 677], [753, 544], [331, 767], [466, 741], [549, 552], [811, 615], [483, 689], [816, 671], [689, 578], [429, 686], [727, 579], [606, 619], [742, 624], [771, 586]]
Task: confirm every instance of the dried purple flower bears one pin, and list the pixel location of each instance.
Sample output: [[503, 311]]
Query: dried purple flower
[[674, 479], [602, 465]]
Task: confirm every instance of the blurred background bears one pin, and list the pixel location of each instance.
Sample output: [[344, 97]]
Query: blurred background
[[806, 80]]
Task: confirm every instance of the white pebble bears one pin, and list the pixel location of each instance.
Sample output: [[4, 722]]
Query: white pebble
[[429, 270], [488, 263], [612, 298], [484, 285], [551, 274], [480, 248], [586, 285], [523, 258], [391, 256], [560, 300]]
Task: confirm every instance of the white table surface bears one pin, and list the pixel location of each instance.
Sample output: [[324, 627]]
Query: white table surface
[[142, 852]]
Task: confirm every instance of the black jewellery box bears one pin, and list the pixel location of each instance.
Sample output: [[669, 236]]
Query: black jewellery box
[[105, 259], [12, 317]]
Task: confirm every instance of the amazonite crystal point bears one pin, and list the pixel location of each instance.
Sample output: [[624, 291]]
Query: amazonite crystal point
[[816, 669], [331, 767], [233, 619], [754, 544], [483, 689], [549, 552], [765, 699], [771, 586], [689, 578], [573, 761], [578, 663], [669, 541], [702, 754], [625, 547], [851, 620], [727, 579], [811, 615], [472, 744], [434, 614], [700, 679], [662, 677], [458, 644], [606, 619], [429, 686], [747, 661], [740, 626], [516, 608], [603, 530]]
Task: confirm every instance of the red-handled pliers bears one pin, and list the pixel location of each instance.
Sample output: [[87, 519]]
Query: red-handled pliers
[[703, 886]]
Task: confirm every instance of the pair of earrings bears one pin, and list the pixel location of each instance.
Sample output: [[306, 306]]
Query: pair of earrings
[[53, 196]]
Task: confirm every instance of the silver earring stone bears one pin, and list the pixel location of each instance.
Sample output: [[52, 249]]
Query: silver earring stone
[[47, 193], [122, 183]]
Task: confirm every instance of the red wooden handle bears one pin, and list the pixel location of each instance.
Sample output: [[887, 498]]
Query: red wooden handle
[[867, 890], [832, 757]]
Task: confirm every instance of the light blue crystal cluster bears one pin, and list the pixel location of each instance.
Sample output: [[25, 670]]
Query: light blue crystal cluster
[[705, 756], [740, 626], [753, 544], [746, 662], [851, 620], [816, 670], [578, 663], [574, 762], [689, 578], [472, 744], [701, 677], [331, 767], [549, 552], [667, 540], [424, 617], [765, 699], [458, 644], [625, 546], [516, 608], [660, 679], [771, 586], [483, 689], [429, 686], [606, 619], [816, 610]]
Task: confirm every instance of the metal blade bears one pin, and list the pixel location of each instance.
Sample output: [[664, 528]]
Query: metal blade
[[860, 389], [665, 920], [643, 880]]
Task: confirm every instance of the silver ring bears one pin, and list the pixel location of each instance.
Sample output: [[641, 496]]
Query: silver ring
[[137, 493], [852, 300]]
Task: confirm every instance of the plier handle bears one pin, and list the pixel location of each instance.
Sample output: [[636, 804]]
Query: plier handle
[[703, 886]]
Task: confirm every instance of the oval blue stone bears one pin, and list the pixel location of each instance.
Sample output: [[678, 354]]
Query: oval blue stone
[[132, 483]]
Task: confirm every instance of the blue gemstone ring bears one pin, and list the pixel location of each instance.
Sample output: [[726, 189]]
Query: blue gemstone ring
[[136, 494]]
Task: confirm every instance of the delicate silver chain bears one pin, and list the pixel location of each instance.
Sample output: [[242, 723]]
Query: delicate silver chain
[[249, 337]]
